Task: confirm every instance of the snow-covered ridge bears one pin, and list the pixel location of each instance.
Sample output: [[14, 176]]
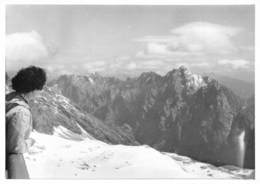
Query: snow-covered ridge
[[55, 157]]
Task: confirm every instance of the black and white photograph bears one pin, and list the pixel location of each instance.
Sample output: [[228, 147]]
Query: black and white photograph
[[129, 91]]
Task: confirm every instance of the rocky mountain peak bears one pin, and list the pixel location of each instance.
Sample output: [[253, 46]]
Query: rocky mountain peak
[[184, 70], [184, 76], [149, 77]]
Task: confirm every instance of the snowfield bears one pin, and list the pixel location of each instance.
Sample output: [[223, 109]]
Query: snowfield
[[66, 155]]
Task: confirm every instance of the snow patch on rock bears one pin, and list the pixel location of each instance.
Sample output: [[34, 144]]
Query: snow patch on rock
[[195, 81]]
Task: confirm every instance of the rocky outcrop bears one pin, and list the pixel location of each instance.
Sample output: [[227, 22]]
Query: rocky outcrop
[[51, 109]]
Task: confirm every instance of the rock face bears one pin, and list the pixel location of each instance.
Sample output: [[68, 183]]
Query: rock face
[[50, 109], [180, 112], [244, 124]]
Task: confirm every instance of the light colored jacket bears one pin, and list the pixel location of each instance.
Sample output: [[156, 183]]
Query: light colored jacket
[[18, 125]]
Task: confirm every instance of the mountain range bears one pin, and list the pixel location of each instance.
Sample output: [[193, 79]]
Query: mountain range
[[178, 119], [180, 112]]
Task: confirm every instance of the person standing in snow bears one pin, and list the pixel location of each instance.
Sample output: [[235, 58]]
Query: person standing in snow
[[25, 84]]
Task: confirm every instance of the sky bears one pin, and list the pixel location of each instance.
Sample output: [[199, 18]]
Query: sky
[[121, 40]]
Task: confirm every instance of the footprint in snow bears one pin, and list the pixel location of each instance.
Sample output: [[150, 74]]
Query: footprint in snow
[[125, 164], [42, 147], [203, 167], [36, 149], [84, 166]]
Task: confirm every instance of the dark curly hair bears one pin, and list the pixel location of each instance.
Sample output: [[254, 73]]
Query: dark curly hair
[[29, 79]]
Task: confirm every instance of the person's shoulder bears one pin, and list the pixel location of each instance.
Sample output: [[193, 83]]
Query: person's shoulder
[[22, 115], [20, 109], [23, 110], [13, 98]]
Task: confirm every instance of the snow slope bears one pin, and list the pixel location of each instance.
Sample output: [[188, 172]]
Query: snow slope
[[66, 155]]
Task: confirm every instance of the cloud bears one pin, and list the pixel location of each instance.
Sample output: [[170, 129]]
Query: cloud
[[24, 49], [95, 66], [152, 64], [205, 36], [157, 48], [235, 64], [202, 64], [198, 45], [195, 37], [131, 66]]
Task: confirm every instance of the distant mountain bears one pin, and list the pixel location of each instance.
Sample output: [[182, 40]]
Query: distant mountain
[[241, 88], [89, 92], [180, 112]]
